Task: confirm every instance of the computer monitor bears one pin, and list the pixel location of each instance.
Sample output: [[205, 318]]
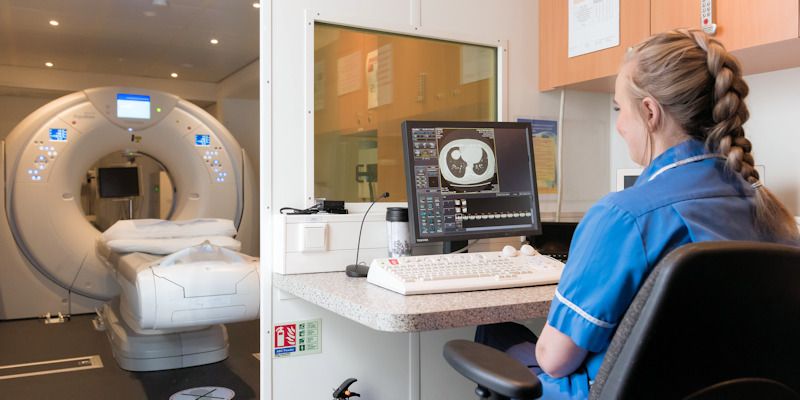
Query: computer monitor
[[470, 180], [626, 177], [118, 182]]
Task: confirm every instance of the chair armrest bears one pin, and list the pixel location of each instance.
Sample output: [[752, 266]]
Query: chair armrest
[[492, 369]]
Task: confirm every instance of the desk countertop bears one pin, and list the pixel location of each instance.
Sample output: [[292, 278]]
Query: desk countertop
[[384, 310]]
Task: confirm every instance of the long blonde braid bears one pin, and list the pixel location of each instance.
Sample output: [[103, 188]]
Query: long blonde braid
[[700, 85]]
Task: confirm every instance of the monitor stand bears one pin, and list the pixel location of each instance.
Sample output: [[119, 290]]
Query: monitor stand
[[455, 245]]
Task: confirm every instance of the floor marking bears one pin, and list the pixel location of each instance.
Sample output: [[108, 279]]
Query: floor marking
[[81, 363], [204, 393]]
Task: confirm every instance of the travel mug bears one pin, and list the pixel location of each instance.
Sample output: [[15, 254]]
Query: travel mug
[[397, 232]]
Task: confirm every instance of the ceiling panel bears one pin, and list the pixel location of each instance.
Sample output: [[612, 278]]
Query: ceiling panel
[[132, 37]]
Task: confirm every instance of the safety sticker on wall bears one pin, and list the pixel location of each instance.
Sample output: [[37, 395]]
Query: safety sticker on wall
[[296, 338]]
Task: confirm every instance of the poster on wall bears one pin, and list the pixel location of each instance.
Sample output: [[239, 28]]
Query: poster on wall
[[380, 76], [477, 63], [593, 25], [545, 153], [348, 73], [296, 338]]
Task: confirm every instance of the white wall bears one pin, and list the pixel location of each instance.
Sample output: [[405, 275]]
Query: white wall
[[774, 119], [586, 160], [774, 102]]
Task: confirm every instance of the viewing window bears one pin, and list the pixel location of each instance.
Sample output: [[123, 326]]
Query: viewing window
[[366, 83]]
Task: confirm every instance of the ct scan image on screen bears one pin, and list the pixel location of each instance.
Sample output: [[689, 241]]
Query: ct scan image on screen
[[469, 180], [467, 160]]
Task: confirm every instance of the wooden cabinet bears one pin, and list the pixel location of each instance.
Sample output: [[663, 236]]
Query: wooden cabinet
[[593, 71], [740, 23], [762, 34]]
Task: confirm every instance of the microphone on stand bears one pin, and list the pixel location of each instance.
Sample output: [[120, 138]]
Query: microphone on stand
[[360, 270]]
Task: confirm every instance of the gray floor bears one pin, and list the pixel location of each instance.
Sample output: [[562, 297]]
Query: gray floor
[[26, 341]]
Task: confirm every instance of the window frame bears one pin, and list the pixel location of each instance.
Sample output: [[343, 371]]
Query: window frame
[[414, 28]]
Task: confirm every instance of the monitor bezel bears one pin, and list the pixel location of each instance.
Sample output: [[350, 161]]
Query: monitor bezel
[[622, 173], [408, 125]]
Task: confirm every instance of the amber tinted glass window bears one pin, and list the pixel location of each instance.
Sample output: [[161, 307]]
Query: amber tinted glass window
[[366, 83]]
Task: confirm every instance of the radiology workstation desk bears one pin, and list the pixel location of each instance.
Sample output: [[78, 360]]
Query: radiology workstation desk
[[384, 310]]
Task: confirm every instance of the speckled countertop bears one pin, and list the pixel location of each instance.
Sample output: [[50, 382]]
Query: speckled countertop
[[384, 310]]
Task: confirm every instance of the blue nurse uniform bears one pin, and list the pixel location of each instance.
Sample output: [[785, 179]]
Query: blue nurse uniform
[[680, 198]]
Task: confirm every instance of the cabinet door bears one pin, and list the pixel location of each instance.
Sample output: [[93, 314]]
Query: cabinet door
[[740, 23], [556, 69]]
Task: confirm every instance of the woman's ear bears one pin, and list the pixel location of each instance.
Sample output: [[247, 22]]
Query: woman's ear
[[651, 111]]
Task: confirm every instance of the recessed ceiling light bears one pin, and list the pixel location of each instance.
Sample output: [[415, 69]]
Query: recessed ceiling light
[[49, 64], [174, 74], [149, 13], [53, 22], [256, 5], [214, 41]]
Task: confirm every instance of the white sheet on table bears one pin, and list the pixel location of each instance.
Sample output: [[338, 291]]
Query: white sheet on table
[[159, 229], [171, 245]]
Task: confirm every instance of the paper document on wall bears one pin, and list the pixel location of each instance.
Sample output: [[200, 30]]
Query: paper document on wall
[[545, 153], [380, 76], [593, 25], [348, 73], [477, 63]]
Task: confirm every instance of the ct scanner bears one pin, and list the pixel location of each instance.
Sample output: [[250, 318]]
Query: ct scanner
[[51, 251]]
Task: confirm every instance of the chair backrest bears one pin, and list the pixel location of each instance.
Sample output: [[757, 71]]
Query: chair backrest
[[709, 313]]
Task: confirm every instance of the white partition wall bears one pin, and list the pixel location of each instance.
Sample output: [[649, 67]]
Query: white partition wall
[[379, 360]]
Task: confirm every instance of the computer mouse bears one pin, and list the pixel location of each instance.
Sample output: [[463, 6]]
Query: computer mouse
[[509, 251], [528, 250]]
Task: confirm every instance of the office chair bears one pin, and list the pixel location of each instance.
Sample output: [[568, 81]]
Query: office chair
[[714, 320]]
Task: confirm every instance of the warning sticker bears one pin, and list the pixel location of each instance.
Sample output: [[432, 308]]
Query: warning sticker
[[296, 338]]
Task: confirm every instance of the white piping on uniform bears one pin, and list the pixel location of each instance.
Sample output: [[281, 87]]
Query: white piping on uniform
[[684, 162], [584, 314]]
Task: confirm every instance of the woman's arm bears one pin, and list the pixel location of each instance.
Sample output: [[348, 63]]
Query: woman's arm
[[557, 354]]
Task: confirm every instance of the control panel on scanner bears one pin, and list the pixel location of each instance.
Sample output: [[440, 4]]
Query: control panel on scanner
[[468, 180]]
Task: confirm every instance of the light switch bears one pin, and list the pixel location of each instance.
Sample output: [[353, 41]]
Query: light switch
[[314, 237]]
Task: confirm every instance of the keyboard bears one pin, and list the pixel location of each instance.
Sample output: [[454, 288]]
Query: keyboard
[[462, 272]]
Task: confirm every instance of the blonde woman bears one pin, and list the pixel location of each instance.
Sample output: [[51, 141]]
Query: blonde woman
[[680, 97]]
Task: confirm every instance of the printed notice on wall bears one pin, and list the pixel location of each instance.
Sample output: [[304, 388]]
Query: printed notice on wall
[[296, 338], [348, 73], [593, 25], [477, 63], [380, 76], [545, 153]]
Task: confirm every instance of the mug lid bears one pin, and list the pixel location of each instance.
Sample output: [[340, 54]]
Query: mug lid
[[397, 214]]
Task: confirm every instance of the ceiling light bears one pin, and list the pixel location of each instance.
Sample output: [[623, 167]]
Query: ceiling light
[[161, 3], [256, 5], [49, 64], [213, 41], [53, 22], [174, 74]]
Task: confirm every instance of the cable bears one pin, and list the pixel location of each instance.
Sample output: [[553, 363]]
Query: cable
[[310, 210], [465, 248], [359, 270], [559, 169], [358, 246]]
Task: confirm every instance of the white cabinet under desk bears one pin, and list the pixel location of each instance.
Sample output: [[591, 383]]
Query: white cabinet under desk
[[390, 342]]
